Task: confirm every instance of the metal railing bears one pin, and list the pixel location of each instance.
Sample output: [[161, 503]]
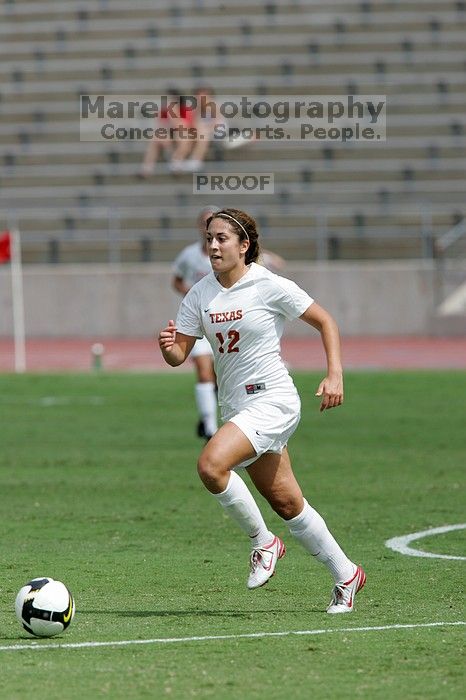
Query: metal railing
[[326, 234], [444, 242]]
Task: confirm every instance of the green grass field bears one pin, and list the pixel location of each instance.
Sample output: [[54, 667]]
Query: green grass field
[[99, 489]]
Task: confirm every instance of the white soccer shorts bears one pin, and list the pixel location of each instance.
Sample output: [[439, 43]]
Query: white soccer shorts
[[268, 423]]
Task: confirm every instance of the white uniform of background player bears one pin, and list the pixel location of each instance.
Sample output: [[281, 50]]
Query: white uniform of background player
[[190, 266]]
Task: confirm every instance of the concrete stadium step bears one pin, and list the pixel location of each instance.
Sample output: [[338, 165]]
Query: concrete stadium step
[[444, 96], [169, 222], [62, 135], [131, 152], [360, 172], [251, 84], [274, 224], [423, 116], [296, 58], [311, 42], [143, 250], [120, 69], [303, 169], [26, 7], [133, 48], [151, 216], [140, 192], [349, 21], [33, 117]]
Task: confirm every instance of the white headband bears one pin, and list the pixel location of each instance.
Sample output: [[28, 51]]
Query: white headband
[[221, 213]]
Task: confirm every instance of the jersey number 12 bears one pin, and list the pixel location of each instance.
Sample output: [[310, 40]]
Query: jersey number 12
[[233, 337]]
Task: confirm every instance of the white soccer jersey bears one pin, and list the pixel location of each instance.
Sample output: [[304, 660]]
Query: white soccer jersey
[[243, 325], [192, 264]]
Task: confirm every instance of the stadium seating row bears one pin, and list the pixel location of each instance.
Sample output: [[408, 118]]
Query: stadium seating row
[[70, 195]]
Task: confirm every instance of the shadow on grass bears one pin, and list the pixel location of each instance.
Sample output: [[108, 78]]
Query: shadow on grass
[[246, 614]]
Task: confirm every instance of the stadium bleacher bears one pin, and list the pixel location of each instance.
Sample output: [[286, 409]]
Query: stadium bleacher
[[85, 201]]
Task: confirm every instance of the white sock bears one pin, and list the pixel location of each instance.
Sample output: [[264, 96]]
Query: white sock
[[206, 401], [240, 505], [310, 529]]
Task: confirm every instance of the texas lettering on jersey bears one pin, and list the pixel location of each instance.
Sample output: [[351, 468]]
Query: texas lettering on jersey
[[244, 324], [223, 316]]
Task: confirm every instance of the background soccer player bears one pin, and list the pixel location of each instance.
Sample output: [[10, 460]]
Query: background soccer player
[[190, 266]]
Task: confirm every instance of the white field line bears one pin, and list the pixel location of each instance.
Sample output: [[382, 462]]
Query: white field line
[[400, 544], [223, 637]]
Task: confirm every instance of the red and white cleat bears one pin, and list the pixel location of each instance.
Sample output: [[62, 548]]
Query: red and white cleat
[[263, 561], [344, 593]]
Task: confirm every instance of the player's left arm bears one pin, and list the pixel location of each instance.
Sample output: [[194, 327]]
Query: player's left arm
[[331, 387]]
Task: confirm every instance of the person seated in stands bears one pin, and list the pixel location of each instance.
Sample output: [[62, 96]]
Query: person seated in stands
[[191, 148], [172, 123], [184, 135], [204, 122]]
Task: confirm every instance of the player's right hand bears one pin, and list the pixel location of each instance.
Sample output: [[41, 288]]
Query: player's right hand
[[167, 336]]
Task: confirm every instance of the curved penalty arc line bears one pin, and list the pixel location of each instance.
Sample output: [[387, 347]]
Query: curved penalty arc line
[[400, 544]]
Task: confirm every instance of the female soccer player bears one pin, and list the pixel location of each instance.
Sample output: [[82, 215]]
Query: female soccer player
[[190, 266], [241, 307]]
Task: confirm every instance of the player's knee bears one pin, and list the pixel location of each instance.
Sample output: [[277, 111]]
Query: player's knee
[[287, 506], [208, 468]]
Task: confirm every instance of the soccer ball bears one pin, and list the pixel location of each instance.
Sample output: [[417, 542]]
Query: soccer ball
[[44, 607]]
